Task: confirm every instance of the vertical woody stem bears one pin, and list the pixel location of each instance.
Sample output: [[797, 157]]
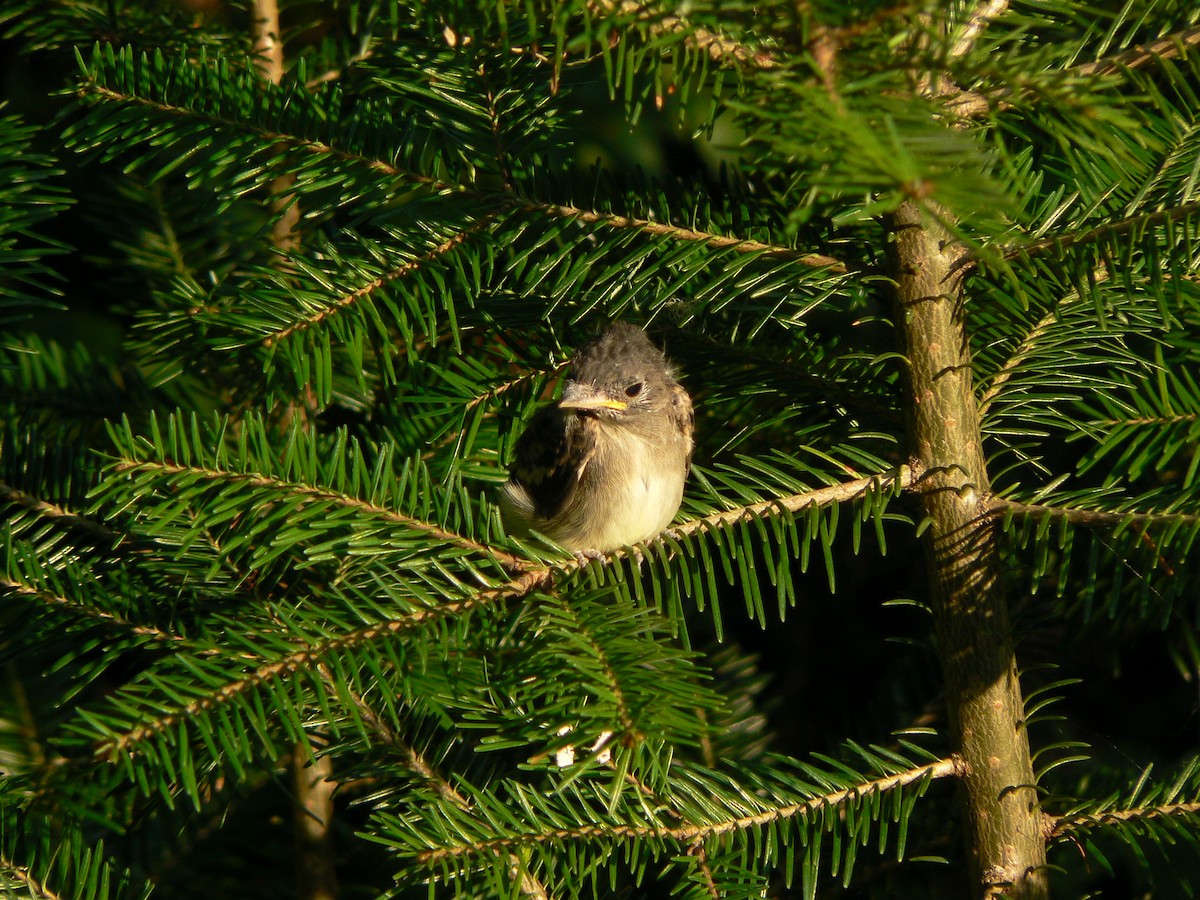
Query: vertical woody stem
[[268, 50], [316, 871], [1004, 823]]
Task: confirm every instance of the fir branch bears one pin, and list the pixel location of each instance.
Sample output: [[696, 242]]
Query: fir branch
[[979, 19], [36, 887], [696, 851], [494, 200], [528, 582], [57, 514], [1169, 47], [52, 600], [309, 655], [494, 120], [900, 479], [1060, 827], [416, 763], [268, 47], [1012, 365], [412, 759], [708, 239], [435, 533], [1060, 243], [629, 730], [1088, 518], [1178, 419], [318, 148], [718, 47], [695, 833], [347, 300], [963, 559], [268, 50], [313, 823], [486, 397]]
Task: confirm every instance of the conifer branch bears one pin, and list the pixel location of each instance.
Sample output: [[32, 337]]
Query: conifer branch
[[979, 19], [313, 812], [899, 479], [1154, 421], [309, 655], [1088, 518], [970, 104], [55, 601], [268, 47], [697, 852], [36, 887], [1086, 821], [629, 730], [493, 115], [708, 239], [423, 769], [695, 833], [718, 47], [1059, 243], [504, 387], [1013, 364], [435, 533], [57, 514], [268, 50], [493, 200], [347, 300], [1169, 47], [527, 582], [412, 759]]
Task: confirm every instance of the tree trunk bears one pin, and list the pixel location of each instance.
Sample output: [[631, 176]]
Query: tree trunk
[[1004, 824]]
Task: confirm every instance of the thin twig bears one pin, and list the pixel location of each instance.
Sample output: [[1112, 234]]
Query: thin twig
[[983, 15], [348, 300], [268, 59], [36, 887], [47, 598], [900, 479], [665, 229]]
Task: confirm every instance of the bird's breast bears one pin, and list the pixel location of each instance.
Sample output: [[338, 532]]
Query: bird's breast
[[638, 485]]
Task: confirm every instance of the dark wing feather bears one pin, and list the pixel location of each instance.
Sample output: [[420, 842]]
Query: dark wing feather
[[550, 458], [683, 419]]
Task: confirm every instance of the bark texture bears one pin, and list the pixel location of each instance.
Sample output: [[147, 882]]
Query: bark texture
[[1004, 823]]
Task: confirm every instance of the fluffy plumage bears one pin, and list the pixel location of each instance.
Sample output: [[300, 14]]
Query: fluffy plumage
[[605, 465]]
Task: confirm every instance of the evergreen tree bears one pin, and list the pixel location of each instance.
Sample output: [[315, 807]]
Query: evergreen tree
[[279, 289]]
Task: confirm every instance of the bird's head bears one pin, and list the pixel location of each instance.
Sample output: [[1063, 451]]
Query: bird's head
[[620, 376]]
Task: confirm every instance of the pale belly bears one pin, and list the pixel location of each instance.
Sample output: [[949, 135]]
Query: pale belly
[[641, 508], [642, 489]]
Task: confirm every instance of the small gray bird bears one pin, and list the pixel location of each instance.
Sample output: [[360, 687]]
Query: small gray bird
[[605, 465]]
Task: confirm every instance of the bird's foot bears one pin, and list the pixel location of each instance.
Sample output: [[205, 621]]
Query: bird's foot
[[583, 557]]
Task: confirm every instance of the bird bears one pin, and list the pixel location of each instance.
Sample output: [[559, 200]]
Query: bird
[[604, 466]]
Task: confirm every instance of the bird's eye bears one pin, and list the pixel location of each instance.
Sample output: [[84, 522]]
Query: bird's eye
[[634, 389]]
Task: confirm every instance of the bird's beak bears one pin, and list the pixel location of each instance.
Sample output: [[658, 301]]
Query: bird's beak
[[582, 396]]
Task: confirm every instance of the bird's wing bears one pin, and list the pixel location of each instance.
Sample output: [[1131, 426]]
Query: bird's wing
[[551, 456], [683, 418]]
